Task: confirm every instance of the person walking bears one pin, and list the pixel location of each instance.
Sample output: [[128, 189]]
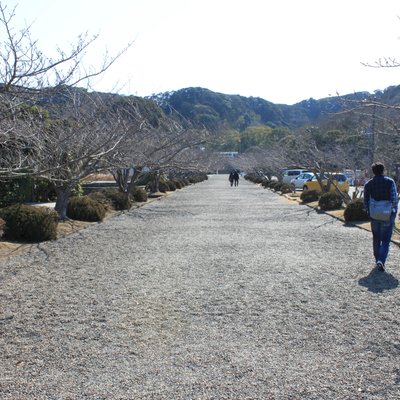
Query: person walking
[[231, 178], [379, 188], [236, 178]]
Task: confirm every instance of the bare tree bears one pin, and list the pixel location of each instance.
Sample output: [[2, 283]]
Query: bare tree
[[65, 149], [167, 144], [67, 141], [25, 69]]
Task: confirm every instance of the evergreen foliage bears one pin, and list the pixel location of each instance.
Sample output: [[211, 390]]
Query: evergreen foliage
[[330, 201], [355, 211], [28, 223], [140, 195], [102, 198], [85, 209], [178, 183], [214, 110], [119, 200], [171, 185], [308, 196], [286, 189], [163, 186]]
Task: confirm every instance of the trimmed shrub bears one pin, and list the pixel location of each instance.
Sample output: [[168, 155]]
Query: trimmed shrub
[[119, 200], [330, 201], [29, 223], [277, 186], [286, 188], [185, 182], [196, 177], [178, 183], [101, 197], [355, 211], [140, 195], [85, 209], [163, 186], [273, 184], [171, 185], [308, 196]]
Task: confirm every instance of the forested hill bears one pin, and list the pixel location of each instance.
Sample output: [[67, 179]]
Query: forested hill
[[203, 107], [211, 109]]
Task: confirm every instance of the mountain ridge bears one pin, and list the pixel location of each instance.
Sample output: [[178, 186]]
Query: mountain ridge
[[208, 108]]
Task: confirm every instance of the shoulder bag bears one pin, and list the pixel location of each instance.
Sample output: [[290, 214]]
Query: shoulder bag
[[380, 210]]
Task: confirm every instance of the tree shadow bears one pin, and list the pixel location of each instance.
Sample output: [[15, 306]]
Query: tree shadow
[[379, 281]]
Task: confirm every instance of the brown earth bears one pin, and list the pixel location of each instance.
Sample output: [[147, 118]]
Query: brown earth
[[64, 228]]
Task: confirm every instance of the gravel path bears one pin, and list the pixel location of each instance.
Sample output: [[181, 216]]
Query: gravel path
[[210, 293]]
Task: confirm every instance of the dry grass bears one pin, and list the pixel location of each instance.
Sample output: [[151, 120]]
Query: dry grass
[[99, 177]]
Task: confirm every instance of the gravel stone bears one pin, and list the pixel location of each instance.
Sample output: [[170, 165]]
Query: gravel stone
[[213, 292]]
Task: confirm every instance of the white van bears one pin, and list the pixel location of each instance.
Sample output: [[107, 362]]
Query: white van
[[290, 174]]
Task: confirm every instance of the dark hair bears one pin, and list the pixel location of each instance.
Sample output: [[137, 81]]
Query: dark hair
[[378, 168]]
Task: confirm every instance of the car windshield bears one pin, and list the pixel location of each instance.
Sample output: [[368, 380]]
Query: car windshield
[[336, 177], [315, 177], [340, 177]]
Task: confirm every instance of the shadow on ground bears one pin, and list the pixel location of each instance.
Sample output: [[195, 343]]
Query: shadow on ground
[[378, 281]]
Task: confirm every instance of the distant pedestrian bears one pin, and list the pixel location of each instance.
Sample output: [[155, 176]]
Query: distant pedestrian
[[231, 178], [378, 189], [236, 178]]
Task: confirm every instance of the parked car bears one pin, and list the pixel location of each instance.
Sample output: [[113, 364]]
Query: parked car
[[300, 180], [290, 174], [340, 180], [350, 176]]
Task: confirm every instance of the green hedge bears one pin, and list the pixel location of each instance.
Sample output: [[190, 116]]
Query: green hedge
[[112, 199], [330, 201], [85, 209], [29, 223], [139, 194], [308, 196], [355, 211]]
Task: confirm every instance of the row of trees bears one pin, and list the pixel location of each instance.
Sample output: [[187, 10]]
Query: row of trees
[[365, 131], [52, 129]]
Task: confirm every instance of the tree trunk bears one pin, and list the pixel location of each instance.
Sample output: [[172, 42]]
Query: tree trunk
[[121, 177], [156, 187], [63, 195], [136, 174]]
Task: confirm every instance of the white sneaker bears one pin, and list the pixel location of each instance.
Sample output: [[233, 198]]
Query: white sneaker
[[379, 266]]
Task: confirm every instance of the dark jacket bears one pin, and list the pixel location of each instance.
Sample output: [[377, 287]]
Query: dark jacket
[[381, 187]]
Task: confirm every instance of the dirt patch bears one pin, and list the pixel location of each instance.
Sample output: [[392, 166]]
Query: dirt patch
[[64, 228], [8, 249]]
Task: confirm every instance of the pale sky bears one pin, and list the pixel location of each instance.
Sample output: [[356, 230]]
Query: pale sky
[[284, 51]]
